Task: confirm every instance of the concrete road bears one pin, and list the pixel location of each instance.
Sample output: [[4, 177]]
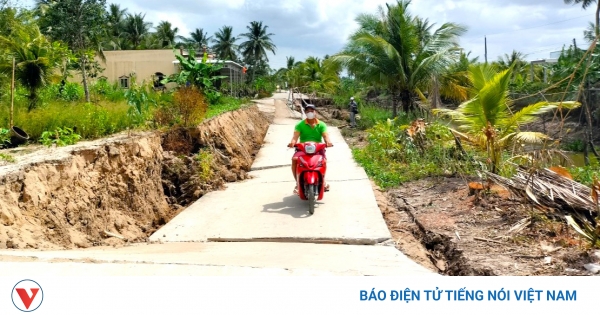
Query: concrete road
[[255, 227], [264, 207]]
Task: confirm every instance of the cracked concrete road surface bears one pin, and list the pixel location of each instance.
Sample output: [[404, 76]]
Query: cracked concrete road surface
[[254, 227]]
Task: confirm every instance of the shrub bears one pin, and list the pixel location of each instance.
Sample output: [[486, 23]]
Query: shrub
[[4, 137], [204, 159], [190, 106], [60, 137]]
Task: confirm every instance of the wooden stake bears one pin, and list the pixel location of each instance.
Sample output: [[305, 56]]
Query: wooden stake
[[12, 94]]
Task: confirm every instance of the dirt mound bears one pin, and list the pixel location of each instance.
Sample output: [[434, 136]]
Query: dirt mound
[[121, 188]]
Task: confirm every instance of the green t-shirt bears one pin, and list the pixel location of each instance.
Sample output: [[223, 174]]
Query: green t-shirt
[[308, 133]]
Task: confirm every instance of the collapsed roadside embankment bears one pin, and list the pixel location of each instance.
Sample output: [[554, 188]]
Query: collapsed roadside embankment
[[124, 187]]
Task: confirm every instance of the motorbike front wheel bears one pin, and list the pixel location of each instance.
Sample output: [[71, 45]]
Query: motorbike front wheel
[[312, 197]]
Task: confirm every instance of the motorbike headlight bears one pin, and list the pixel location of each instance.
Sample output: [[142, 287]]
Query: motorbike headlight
[[310, 148]]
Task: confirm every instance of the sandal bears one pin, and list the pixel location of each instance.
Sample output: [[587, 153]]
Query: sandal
[[327, 187], [296, 190]]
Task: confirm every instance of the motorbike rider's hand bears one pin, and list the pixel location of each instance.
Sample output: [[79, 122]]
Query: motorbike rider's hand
[[291, 145], [329, 144]]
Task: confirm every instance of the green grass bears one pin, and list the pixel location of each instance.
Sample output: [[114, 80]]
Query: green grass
[[7, 158], [107, 114], [585, 174], [370, 115], [390, 157], [90, 120], [226, 104]]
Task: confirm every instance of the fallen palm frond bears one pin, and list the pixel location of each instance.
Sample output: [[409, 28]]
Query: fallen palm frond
[[550, 190]]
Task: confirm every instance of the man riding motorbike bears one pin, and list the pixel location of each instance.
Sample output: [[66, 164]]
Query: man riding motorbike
[[309, 129]]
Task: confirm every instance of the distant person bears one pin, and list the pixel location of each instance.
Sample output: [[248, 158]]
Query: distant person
[[353, 111]]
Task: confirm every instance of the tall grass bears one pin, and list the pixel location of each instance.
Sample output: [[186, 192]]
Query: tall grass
[[88, 120], [371, 114], [108, 113]]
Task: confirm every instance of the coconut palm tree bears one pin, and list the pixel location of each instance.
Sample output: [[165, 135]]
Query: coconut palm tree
[[589, 34], [321, 75], [116, 19], [198, 38], [258, 41], [487, 119], [585, 4], [396, 50], [516, 60], [290, 61], [136, 29], [166, 34], [225, 46], [33, 60], [454, 80]]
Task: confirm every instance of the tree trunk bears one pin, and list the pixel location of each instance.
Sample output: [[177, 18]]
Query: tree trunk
[[394, 105], [85, 84], [588, 114], [436, 100], [586, 158], [406, 101], [32, 99]]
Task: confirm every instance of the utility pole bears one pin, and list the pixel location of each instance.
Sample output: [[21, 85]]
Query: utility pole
[[485, 43], [574, 44], [12, 94]]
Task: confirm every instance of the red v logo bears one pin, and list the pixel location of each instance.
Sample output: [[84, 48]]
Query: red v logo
[[25, 296]]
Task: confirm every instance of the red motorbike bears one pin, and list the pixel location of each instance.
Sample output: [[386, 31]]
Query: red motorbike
[[310, 172]]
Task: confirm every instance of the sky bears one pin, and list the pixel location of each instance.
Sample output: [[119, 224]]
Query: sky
[[305, 28]]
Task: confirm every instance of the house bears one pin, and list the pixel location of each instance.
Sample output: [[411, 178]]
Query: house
[[154, 65]]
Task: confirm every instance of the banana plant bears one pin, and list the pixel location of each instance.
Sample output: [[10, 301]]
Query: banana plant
[[201, 74]]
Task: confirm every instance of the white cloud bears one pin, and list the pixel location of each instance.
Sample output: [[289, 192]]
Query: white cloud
[[319, 27]]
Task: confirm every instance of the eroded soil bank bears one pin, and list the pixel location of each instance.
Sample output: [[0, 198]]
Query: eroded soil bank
[[122, 188], [489, 234]]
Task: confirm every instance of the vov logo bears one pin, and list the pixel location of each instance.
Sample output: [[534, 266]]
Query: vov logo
[[27, 295]]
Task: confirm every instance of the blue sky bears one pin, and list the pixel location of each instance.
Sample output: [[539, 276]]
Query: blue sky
[[305, 28]]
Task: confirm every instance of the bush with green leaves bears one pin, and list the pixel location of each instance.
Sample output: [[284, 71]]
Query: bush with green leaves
[[391, 156], [4, 137], [201, 74], [61, 137], [139, 103]]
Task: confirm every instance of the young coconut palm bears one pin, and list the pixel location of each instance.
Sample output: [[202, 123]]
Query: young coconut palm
[[33, 55], [487, 120]]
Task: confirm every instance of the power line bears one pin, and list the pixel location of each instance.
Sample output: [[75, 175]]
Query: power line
[[557, 22], [553, 46]]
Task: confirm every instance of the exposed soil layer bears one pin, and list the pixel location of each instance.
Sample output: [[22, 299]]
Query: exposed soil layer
[[122, 188], [482, 234]]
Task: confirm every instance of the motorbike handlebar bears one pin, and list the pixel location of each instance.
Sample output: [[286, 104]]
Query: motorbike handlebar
[[288, 146]]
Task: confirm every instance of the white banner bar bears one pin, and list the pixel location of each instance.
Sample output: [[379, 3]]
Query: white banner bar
[[298, 295]]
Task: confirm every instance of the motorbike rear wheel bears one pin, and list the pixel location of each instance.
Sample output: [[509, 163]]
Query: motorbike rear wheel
[[312, 197]]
